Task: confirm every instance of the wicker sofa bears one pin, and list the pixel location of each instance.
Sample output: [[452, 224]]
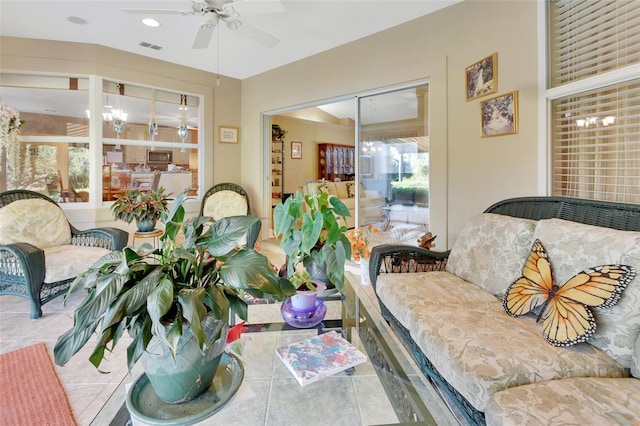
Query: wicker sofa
[[499, 369], [370, 201], [41, 252]]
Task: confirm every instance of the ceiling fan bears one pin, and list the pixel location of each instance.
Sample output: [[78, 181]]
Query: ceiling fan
[[227, 11]]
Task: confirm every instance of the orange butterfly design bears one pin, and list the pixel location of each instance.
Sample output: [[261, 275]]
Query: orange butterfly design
[[566, 317]]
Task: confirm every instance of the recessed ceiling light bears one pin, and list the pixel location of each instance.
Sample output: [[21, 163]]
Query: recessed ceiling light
[[150, 22], [76, 20]]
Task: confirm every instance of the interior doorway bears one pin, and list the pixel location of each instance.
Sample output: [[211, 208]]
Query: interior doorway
[[387, 133]]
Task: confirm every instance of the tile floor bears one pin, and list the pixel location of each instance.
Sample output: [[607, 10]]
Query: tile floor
[[86, 387]]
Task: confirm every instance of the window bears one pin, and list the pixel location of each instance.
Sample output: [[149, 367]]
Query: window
[[147, 130], [53, 154], [594, 52], [393, 157], [56, 143]]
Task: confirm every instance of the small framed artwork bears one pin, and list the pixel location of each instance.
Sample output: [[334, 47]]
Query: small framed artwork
[[500, 115], [228, 134], [296, 150], [482, 77]]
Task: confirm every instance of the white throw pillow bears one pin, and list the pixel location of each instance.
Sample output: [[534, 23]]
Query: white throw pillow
[[491, 250], [573, 247]]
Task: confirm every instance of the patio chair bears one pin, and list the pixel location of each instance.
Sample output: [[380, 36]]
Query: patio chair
[[41, 252], [229, 199]]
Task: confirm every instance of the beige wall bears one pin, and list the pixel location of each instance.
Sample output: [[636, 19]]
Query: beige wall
[[468, 172], [221, 103]]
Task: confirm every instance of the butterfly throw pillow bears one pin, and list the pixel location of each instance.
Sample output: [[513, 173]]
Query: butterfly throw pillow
[[565, 309]]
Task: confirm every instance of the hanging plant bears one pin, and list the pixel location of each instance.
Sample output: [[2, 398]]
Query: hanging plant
[[10, 125]]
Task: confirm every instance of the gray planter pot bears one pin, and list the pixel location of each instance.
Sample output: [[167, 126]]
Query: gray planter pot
[[145, 225], [191, 372]]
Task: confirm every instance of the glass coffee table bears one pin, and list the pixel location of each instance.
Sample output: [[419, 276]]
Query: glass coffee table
[[388, 389]]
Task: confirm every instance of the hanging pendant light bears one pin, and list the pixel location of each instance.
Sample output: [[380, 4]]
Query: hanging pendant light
[[153, 121], [182, 129], [117, 115]]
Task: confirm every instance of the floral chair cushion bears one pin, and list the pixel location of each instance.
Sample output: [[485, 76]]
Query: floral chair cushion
[[58, 267], [491, 250], [34, 221], [573, 247], [224, 204]]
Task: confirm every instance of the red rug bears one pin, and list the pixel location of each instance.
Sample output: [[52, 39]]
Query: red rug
[[30, 390]]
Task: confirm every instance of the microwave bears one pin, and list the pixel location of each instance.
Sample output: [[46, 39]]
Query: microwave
[[159, 157]]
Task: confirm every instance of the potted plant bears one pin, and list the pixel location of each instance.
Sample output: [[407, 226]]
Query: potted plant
[[312, 234], [306, 291], [172, 299], [360, 250], [277, 132], [145, 207]]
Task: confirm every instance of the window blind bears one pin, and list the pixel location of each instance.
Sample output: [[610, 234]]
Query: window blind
[[589, 37], [596, 144], [595, 125]]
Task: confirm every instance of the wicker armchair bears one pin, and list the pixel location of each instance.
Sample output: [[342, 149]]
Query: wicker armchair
[[41, 252], [229, 199]]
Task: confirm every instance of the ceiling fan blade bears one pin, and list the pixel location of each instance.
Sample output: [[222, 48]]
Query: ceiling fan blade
[[157, 11], [256, 7], [204, 34], [258, 35]]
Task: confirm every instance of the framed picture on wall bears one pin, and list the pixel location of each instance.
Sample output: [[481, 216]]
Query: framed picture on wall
[[228, 134], [482, 77], [296, 150], [500, 115]]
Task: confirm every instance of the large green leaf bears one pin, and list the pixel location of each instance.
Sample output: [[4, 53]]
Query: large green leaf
[[251, 269], [334, 259], [339, 207], [140, 337], [158, 303], [311, 229], [71, 342], [219, 304], [227, 233], [193, 310], [133, 299]]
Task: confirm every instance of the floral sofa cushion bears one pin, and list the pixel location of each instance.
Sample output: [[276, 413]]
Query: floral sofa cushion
[[635, 365], [34, 221], [575, 401], [573, 247], [422, 290], [491, 250], [480, 350]]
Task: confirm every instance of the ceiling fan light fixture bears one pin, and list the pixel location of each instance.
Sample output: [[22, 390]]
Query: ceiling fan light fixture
[[234, 24], [150, 22]]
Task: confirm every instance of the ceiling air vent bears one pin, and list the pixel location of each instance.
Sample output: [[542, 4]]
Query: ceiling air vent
[[150, 46]]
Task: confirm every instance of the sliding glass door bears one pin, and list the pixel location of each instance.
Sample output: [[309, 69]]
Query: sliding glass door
[[393, 159]]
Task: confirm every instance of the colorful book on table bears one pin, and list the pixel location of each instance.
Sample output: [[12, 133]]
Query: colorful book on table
[[320, 356]]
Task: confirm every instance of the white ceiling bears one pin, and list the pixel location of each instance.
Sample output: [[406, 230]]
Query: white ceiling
[[305, 28]]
